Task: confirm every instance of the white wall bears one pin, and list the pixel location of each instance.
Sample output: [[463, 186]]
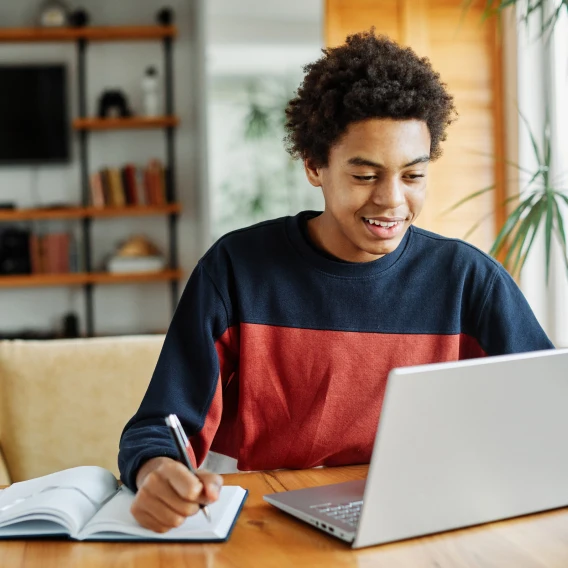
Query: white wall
[[124, 308]]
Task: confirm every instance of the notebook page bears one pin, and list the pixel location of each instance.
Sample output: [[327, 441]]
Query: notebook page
[[115, 517], [72, 495], [33, 528]]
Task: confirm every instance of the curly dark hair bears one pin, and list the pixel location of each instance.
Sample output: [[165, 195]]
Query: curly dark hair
[[369, 76]]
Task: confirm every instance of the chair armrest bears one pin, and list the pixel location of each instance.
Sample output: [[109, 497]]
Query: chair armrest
[[4, 474]]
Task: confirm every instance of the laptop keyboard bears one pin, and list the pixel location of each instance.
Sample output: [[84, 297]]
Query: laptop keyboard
[[347, 513]]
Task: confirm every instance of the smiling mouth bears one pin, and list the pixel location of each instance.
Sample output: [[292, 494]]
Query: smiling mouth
[[383, 229], [387, 224]]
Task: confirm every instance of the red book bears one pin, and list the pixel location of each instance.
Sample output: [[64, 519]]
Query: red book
[[107, 189], [35, 253], [129, 179], [49, 254], [158, 194], [42, 254], [139, 176], [97, 193], [161, 182]]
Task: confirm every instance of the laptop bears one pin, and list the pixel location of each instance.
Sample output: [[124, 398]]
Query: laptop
[[458, 444]]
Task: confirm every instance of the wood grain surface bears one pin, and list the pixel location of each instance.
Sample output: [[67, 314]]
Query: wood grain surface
[[92, 33], [266, 537], [80, 278]]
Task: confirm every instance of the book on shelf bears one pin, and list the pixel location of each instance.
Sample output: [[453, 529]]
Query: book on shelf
[[52, 253], [129, 182], [35, 254], [107, 191], [117, 189], [156, 182], [87, 503], [130, 185], [97, 192]]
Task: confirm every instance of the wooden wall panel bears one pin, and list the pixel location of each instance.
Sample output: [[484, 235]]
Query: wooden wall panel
[[344, 17], [466, 52]]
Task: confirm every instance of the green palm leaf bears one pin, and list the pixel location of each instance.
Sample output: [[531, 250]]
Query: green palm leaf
[[547, 23], [472, 229], [468, 198], [476, 225], [531, 225], [520, 231], [532, 137], [540, 200], [548, 230], [509, 225]]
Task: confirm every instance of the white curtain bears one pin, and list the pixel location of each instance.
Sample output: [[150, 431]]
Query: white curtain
[[542, 84]]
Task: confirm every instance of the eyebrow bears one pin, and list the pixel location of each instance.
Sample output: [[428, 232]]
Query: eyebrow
[[358, 161]]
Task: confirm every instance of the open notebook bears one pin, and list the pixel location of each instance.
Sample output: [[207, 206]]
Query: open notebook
[[86, 503]]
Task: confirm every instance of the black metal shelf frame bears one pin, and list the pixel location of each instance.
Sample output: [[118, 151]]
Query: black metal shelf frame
[[171, 192]]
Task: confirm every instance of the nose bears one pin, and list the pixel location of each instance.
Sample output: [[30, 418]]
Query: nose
[[389, 194]]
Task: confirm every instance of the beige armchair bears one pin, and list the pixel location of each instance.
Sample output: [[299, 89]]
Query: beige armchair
[[64, 403]]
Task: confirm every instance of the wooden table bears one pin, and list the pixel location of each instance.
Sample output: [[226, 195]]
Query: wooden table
[[265, 537]]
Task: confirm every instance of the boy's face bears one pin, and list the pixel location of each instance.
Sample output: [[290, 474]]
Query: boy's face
[[376, 173]]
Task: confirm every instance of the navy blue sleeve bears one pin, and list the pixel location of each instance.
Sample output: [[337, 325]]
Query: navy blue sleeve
[[184, 380], [506, 322]]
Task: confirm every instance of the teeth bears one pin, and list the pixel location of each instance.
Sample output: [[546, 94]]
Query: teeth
[[381, 223]]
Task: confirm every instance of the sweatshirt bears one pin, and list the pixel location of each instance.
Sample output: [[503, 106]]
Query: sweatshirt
[[278, 354]]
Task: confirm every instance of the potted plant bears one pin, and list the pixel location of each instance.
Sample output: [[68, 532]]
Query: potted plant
[[541, 201]]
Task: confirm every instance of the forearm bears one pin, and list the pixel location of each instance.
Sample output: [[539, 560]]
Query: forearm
[[140, 444], [186, 382]]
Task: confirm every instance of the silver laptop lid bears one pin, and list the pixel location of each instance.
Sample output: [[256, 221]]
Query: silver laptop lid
[[466, 443]]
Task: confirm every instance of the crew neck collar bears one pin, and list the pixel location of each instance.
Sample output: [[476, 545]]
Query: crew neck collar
[[299, 239]]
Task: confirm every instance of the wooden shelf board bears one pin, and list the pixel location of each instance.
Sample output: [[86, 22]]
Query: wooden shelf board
[[35, 280], [138, 211], [80, 278], [13, 215], [39, 214], [135, 122], [125, 33], [92, 33], [108, 278]]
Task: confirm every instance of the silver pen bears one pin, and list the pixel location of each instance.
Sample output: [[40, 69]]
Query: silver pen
[[182, 444]]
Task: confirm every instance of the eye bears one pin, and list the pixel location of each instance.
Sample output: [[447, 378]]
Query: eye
[[365, 178]]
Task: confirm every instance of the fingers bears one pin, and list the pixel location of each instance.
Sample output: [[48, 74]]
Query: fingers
[[152, 514], [173, 501], [212, 484], [170, 493], [182, 481], [203, 488]]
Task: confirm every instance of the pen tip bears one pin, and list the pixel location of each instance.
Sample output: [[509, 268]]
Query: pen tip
[[206, 513]]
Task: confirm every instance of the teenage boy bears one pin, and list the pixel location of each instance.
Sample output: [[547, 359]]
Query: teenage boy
[[279, 351]]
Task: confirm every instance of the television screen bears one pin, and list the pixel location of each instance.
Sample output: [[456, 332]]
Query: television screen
[[34, 124]]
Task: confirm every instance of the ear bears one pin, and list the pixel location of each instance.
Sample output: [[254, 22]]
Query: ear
[[313, 173]]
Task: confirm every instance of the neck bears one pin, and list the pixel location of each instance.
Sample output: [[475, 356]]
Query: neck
[[326, 234]]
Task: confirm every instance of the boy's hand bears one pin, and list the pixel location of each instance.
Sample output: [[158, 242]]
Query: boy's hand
[[168, 493]]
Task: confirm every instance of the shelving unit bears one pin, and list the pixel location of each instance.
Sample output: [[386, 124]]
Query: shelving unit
[[41, 214], [86, 278], [98, 33], [86, 125], [125, 123]]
